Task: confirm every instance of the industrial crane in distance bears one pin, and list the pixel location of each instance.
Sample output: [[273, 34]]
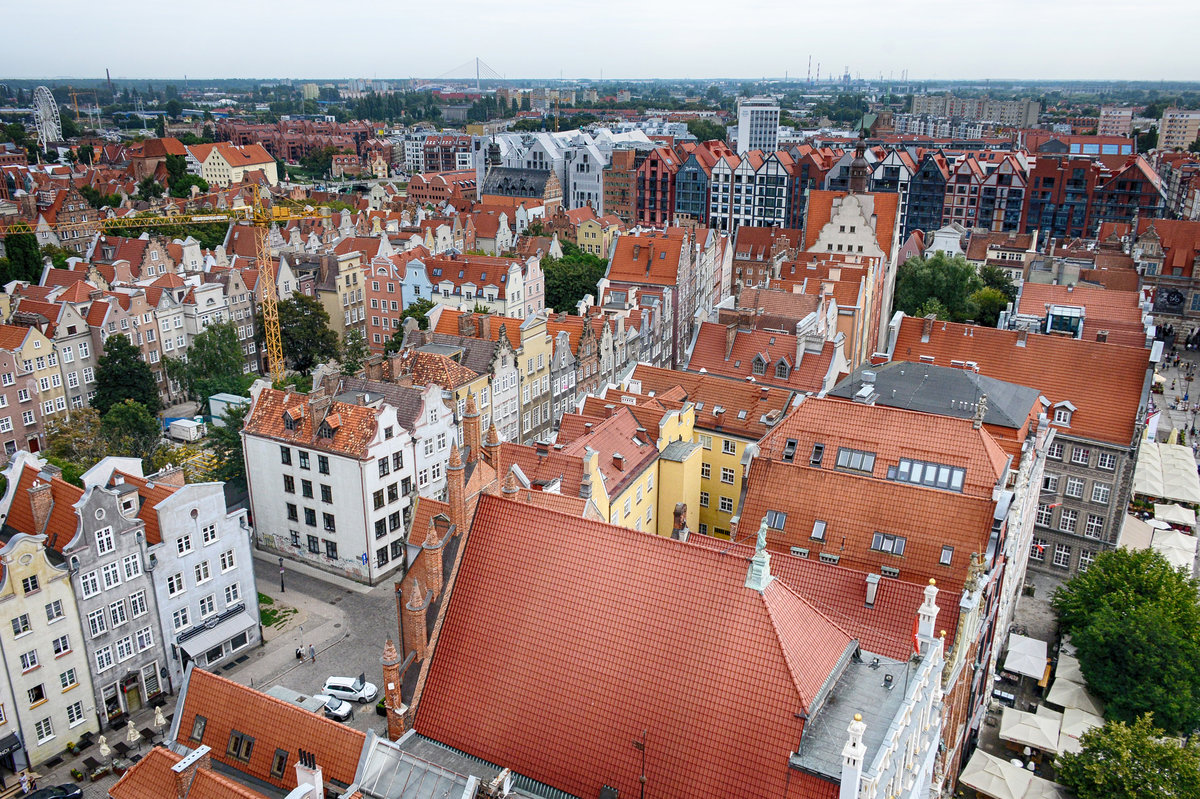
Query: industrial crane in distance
[[260, 217]]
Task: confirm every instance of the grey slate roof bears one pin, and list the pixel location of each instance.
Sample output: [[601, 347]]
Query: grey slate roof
[[477, 352], [405, 399], [515, 182], [678, 450], [944, 390]]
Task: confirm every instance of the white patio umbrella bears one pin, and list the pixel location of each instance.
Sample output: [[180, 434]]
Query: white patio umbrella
[[159, 721], [1076, 722], [1175, 514], [1159, 524], [131, 733], [1026, 656], [1178, 548], [104, 750], [994, 777], [1068, 669], [1068, 694], [1019, 727]]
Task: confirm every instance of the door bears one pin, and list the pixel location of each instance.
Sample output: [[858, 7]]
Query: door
[[133, 694]]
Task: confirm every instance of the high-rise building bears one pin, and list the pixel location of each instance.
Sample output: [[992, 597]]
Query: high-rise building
[[758, 124], [1115, 121], [1178, 127]]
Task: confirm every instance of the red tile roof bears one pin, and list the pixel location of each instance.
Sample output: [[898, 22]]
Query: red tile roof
[[150, 776], [607, 632], [431, 368], [617, 435], [820, 211], [12, 337], [63, 522], [542, 467], [151, 494], [272, 723], [708, 355], [1118, 312], [1180, 241], [709, 391], [352, 437], [1106, 410], [646, 259]]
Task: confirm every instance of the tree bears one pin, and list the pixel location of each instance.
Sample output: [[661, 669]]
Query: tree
[[76, 439], [988, 302], [227, 444], [148, 188], [86, 154], [307, 337], [130, 430], [58, 255], [949, 280], [1130, 761], [354, 351], [160, 125], [179, 179], [706, 129], [213, 364], [419, 310], [121, 374], [996, 278], [569, 278], [24, 257], [98, 200], [1131, 614], [174, 108]]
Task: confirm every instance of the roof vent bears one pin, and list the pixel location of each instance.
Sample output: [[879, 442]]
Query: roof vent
[[868, 377]]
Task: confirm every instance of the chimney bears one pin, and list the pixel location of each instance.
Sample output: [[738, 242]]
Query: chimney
[[415, 634], [431, 550], [471, 431], [185, 770], [619, 461], [799, 347], [853, 754], [872, 589], [392, 700], [679, 529], [731, 330], [171, 476], [928, 612], [927, 328], [41, 498], [1102, 336], [456, 491], [485, 327], [309, 773], [466, 325], [491, 447]]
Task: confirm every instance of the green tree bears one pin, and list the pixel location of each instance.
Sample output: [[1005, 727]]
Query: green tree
[[121, 375], [24, 257], [354, 351], [996, 278], [933, 307], [213, 364], [148, 188], [86, 154], [419, 310], [98, 200], [160, 125], [569, 278], [174, 108], [306, 336], [130, 430], [58, 255], [1131, 614], [1131, 761], [706, 129], [76, 439], [227, 444], [949, 280], [179, 179], [988, 302]]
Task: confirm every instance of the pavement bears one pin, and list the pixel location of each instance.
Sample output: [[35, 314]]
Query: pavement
[[344, 621]]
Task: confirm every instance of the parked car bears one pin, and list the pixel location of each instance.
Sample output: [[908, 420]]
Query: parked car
[[335, 708], [67, 791], [352, 689]]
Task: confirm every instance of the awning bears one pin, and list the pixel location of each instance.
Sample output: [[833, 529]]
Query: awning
[[1068, 669], [1178, 548], [221, 632], [1026, 656], [1166, 471], [999, 779], [1135, 533], [9, 743], [1068, 694], [1175, 514], [1040, 732]]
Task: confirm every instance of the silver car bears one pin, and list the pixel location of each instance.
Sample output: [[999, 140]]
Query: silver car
[[352, 689], [335, 708]]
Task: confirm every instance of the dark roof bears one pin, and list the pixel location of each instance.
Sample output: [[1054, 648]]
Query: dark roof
[[405, 399], [943, 390], [515, 182], [477, 352]]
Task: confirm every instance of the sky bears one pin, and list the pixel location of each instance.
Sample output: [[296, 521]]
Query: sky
[[1018, 39]]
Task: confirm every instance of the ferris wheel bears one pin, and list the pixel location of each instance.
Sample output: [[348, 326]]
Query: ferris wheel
[[45, 115]]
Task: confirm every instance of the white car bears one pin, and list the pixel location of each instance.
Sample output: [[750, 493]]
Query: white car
[[352, 689], [335, 708]]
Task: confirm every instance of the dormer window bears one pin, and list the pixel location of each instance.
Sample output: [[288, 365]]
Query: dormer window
[[760, 366], [324, 431], [781, 370], [1062, 416]]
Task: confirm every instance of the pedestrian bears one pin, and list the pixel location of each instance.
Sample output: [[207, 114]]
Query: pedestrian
[[312, 653], [300, 652], [24, 783]]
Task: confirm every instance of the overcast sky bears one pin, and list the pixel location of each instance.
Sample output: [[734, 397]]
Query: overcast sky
[[1023, 39]]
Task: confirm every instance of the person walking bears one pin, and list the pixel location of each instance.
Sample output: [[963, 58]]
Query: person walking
[[24, 783], [312, 653]]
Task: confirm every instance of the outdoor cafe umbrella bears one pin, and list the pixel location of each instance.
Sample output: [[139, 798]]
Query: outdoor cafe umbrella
[[104, 750], [994, 777], [1068, 694], [1026, 656], [159, 721], [1076, 722], [1040, 732], [131, 734], [1068, 669]]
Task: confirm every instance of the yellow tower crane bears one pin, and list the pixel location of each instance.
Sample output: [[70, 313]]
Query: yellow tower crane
[[259, 215]]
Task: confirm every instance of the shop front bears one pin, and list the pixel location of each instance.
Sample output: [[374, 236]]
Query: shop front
[[130, 693]]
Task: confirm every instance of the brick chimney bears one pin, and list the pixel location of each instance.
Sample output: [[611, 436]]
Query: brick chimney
[[491, 447], [731, 331], [185, 770], [927, 327], [456, 491], [431, 551], [171, 476], [415, 634], [471, 431], [679, 528], [41, 498], [392, 699], [485, 327], [466, 325]]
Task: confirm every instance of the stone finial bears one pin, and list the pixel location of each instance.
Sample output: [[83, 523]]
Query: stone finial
[[510, 483], [390, 656], [455, 457]]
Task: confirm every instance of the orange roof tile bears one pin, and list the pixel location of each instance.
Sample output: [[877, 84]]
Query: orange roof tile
[[431, 368], [150, 776], [12, 337], [151, 494], [708, 354], [351, 437], [820, 211], [1106, 410], [63, 522], [709, 391], [609, 631], [542, 467], [272, 723], [646, 259], [1117, 312]]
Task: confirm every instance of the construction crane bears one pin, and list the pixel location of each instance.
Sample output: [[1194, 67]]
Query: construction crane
[[259, 215]]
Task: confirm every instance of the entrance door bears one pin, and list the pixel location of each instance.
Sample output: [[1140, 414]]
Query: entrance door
[[133, 693]]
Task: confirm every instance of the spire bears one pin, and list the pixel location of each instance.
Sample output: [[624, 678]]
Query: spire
[[510, 483], [390, 656], [759, 575], [928, 612], [455, 458]]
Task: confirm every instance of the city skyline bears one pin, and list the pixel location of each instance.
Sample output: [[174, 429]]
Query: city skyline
[[624, 40]]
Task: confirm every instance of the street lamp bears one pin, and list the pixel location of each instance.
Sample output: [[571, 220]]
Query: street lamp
[[641, 747], [281, 588]]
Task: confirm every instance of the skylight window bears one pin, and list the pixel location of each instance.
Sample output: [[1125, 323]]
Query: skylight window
[[856, 460]]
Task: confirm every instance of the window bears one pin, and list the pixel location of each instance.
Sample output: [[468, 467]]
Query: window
[[1062, 416], [818, 453], [726, 475], [326, 493], [184, 544], [285, 456], [303, 459], [947, 555], [175, 584], [397, 461], [240, 746], [705, 441], [203, 573], [208, 606], [1100, 492], [137, 604], [1062, 555], [1104, 460], [855, 460], [704, 499], [385, 467], [68, 679], [279, 763], [729, 446], [1044, 512], [233, 592], [1074, 488], [1050, 483], [90, 584], [328, 520], [29, 660], [125, 649], [116, 612], [331, 550], [1086, 556], [104, 659], [198, 725], [933, 475], [132, 565], [776, 519], [1081, 455], [1037, 550], [227, 560], [886, 542], [20, 624], [725, 505], [1067, 519], [323, 464], [818, 530], [208, 534], [104, 540], [1055, 451], [111, 575], [44, 730], [1094, 528], [54, 610], [29, 584], [180, 620], [310, 517]]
